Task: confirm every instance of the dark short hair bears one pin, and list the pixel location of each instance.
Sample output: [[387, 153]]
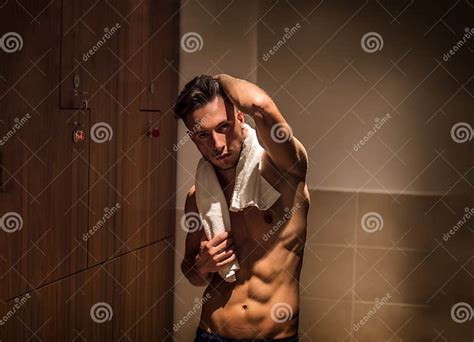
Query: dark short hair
[[196, 94]]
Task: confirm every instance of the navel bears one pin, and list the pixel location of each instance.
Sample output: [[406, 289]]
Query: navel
[[268, 218]]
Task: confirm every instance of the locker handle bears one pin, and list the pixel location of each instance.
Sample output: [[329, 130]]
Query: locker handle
[[1, 172]]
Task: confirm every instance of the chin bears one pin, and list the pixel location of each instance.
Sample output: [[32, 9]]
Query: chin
[[224, 165]]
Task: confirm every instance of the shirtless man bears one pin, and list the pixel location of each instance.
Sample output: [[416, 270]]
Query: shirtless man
[[263, 303]]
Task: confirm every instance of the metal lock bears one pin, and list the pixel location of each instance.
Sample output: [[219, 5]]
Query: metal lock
[[78, 135], [153, 132]]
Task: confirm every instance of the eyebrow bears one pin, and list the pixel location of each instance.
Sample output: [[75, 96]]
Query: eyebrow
[[220, 123]]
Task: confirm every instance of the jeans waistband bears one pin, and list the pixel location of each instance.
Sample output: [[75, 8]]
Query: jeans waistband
[[202, 335]]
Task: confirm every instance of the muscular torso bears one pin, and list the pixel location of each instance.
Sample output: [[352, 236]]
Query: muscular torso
[[264, 301]]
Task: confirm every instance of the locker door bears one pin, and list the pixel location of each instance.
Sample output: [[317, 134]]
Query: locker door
[[144, 213], [167, 171], [98, 304], [160, 51], [155, 271], [45, 205], [89, 40]]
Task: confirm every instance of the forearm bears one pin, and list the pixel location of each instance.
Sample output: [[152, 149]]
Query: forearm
[[246, 96], [254, 101], [273, 131], [191, 272]]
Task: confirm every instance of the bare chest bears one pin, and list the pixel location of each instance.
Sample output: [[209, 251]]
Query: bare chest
[[254, 229]]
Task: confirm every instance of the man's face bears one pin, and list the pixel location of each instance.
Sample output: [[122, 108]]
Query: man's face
[[217, 130]]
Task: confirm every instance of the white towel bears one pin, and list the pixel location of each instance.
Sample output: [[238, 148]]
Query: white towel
[[250, 188]]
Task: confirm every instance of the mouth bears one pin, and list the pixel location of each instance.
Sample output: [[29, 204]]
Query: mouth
[[224, 156]]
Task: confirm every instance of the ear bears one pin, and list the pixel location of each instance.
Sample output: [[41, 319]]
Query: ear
[[240, 115]]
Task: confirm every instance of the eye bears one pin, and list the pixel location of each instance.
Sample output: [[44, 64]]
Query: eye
[[224, 126], [202, 136]]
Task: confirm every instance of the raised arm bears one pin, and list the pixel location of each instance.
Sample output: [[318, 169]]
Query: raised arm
[[284, 150]]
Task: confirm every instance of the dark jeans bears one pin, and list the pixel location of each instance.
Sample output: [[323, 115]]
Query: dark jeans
[[203, 336]]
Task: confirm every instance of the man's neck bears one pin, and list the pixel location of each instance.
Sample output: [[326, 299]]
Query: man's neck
[[226, 178]]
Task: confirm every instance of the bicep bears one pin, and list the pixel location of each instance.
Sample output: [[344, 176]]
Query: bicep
[[294, 162], [276, 137]]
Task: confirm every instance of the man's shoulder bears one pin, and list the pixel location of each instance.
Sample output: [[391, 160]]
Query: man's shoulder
[[190, 204], [192, 190]]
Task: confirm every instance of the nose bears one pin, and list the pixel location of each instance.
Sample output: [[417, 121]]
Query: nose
[[219, 141]]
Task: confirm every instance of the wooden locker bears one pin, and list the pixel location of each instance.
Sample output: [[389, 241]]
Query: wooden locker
[[144, 167], [143, 210], [128, 298], [97, 304], [89, 61], [47, 187], [155, 297], [43, 171], [160, 51], [63, 188], [167, 171]]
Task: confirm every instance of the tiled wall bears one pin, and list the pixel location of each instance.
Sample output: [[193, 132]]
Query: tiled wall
[[332, 92], [365, 249]]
